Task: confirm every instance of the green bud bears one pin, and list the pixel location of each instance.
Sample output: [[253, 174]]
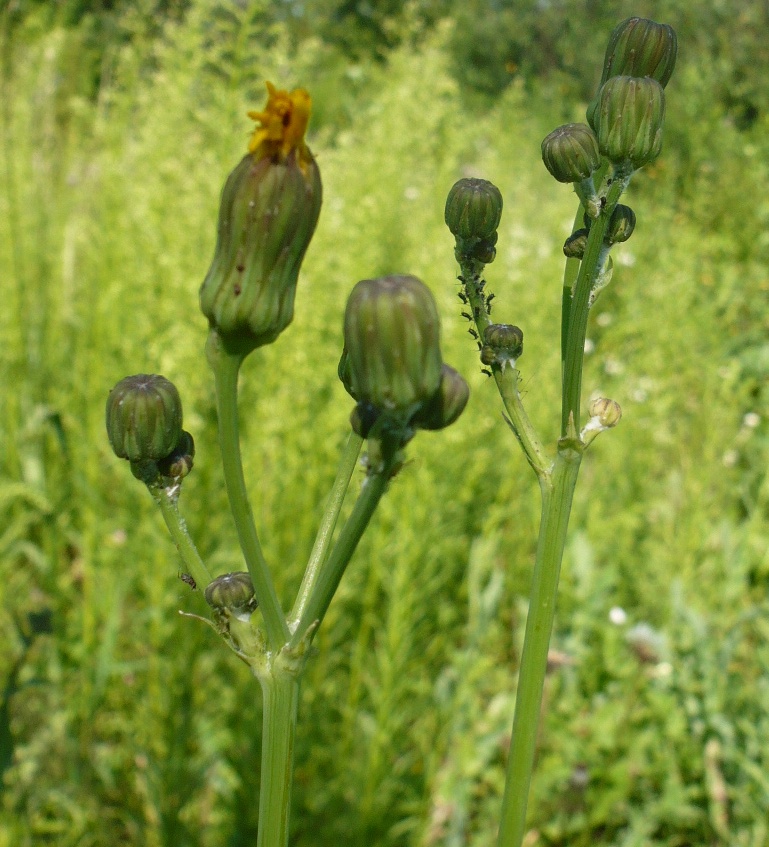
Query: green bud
[[574, 246], [391, 333], [570, 153], [640, 47], [447, 404], [607, 413], [144, 418], [233, 593], [267, 216], [473, 209], [621, 224], [179, 463], [503, 343], [631, 112]]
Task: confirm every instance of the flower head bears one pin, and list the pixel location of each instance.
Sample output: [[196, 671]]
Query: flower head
[[282, 125]]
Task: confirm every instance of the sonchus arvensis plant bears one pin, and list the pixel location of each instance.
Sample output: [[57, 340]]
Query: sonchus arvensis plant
[[391, 364], [623, 133]]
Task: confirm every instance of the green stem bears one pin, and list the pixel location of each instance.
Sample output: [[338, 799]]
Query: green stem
[[330, 574], [177, 526], [589, 269], [280, 699], [507, 379], [226, 366], [328, 522], [557, 494]]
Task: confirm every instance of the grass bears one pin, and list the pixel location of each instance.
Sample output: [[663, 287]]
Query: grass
[[123, 723]]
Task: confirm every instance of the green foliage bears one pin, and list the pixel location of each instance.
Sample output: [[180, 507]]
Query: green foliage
[[126, 723]]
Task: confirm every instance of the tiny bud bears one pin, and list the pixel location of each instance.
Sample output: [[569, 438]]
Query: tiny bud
[[608, 412], [232, 593], [473, 209], [574, 246], [144, 418], [505, 341], [362, 418], [391, 333], [179, 463], [631, 112], [621, 224], [570, 153], [269, 208], [447, 404]]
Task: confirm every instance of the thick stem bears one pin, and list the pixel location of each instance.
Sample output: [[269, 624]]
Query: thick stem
[[226, 366], [328, 522], [557, 494], [184, 544], [281, 696]]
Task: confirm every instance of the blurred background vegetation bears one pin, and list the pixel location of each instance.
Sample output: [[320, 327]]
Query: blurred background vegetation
[[122, 722]]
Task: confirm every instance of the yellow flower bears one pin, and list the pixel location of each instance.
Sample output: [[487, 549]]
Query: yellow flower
[[282, 125]]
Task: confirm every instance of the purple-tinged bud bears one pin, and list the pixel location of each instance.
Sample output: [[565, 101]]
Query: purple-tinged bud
[[502, 344], [144, 418], [179, 463], [391, 334], [630, 116], [447, 404], [574, 246], [232, 593]]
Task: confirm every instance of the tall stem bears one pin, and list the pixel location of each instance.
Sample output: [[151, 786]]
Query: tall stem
[[557, 494], [226, 366], [281, 697]]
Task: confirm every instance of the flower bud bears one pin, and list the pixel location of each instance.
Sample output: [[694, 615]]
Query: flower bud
[[607, 412], [233, 593], [640, 47], [574, 246], [473, 209], [269, 207], [631, 112], [391, 333], [621, 225], [179, 463], [502, 343], [144, 418], [570, 153], [447, 404], [362, 418]]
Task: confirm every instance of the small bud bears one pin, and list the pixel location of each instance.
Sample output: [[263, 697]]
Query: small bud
[[179, 463], [640, 47], [502, 343], [574, 246], [608, 412], [269, 208], [362, 418], [570, 153], [447, 404], [631, 112], [144, 418], [232, 593], [391, 333], [473, 209], [621, 224]]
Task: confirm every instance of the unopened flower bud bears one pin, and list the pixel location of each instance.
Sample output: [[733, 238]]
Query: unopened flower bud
[[447, 404], [640, 47], [574, 246], [180, 461], [631, 112], [621, 224], [570, 153], [391, 333], [362, 418], [144, 418], [608, 412], [269, 208], [232, 593], [473, 209], [502, 343]]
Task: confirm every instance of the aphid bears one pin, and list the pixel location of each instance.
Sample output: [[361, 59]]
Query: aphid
[[490, 298], [462, 296], [486, 371], [473, 333], [465, 315], [189, 579], [477, 312]]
